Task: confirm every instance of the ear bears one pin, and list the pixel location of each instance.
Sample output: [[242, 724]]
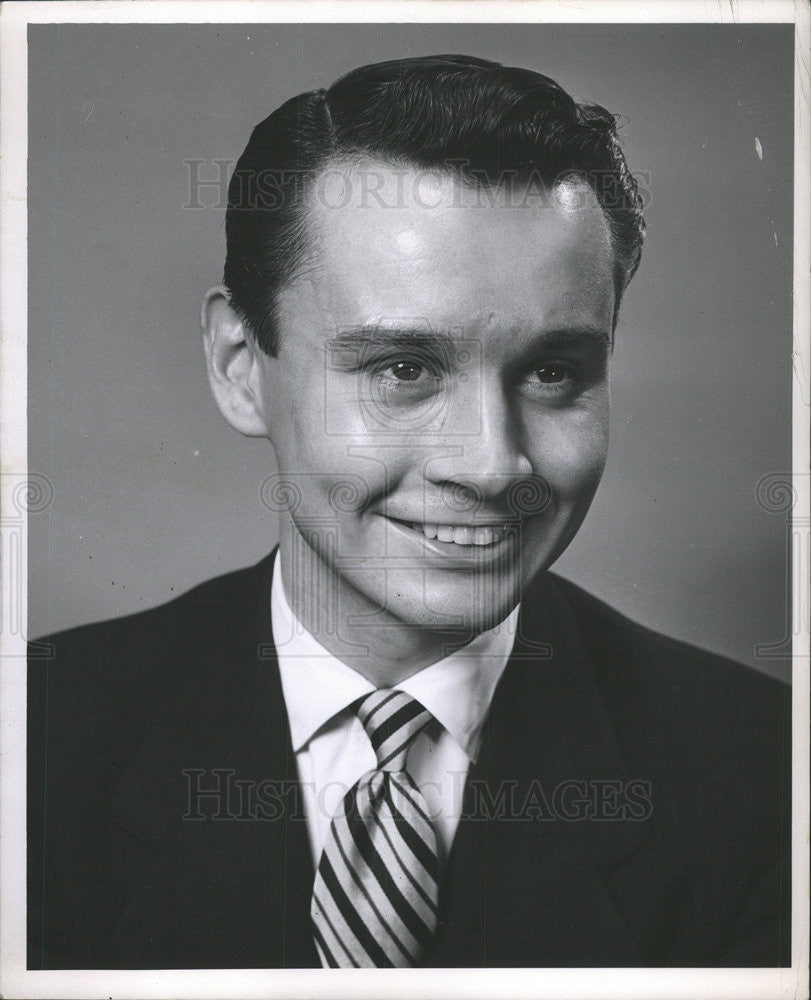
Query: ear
[[233, 365]]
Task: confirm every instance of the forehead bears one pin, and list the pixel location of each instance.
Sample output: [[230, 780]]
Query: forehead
[[389, 241]]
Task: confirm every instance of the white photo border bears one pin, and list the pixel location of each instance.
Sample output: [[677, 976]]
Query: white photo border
[[582, 984]]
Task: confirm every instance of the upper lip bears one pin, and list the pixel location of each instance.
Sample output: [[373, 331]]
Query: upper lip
[[478, 522]]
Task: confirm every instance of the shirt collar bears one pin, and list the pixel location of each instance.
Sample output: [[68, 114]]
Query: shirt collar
[[456, 690]]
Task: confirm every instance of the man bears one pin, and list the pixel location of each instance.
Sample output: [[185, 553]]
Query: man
[[398, 740]]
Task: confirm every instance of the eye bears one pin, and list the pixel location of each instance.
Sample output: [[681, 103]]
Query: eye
[[405, 371], [407, 375], [552, 374], [553, 379]]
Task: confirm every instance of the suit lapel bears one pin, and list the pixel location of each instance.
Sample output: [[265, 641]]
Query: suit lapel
[[223, 877], [525, 884]]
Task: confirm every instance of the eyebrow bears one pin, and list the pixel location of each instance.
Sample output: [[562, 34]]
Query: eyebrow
[[381, 336]]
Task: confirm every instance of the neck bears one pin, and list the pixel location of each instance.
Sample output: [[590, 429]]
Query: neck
[[362, 634]]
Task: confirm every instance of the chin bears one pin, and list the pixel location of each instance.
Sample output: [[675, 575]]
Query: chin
[[461, 611]]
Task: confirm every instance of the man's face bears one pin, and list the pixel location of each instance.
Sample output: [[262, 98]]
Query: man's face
[[439, 402]]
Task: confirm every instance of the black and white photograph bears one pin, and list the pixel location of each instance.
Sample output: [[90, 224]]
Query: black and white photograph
[[405, 500]]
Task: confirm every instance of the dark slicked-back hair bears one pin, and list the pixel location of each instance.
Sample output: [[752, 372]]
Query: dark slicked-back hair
[[484, 123]]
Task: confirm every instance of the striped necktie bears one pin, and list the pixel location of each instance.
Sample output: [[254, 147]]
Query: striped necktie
[[375, 893]]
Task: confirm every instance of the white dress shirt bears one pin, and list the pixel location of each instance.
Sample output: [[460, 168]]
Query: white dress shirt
[[332, 748]]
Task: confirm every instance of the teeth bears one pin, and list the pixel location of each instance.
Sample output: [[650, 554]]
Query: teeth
[[484, 536], [462, 535]]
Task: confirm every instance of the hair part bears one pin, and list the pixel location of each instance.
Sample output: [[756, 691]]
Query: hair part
[[486, 124]]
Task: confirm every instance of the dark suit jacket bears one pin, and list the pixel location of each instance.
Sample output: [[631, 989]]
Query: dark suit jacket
[[685, 866]]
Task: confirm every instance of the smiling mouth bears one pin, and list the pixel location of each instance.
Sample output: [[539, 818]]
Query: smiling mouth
[[478, 534]]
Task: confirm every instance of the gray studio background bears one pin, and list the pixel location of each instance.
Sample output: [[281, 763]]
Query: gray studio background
[[153, 492]]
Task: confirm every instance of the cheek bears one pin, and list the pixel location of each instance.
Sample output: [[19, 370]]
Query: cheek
[[570, 455], [340, 465], [325, 425]]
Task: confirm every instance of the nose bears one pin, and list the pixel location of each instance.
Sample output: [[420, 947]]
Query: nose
[[483, 449]]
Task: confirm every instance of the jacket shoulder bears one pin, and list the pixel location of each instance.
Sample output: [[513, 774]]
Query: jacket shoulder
[[110, 674], [703, 714], [619, 642], [207, 606]]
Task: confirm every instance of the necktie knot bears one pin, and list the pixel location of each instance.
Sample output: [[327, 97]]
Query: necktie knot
[[392, 720]]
